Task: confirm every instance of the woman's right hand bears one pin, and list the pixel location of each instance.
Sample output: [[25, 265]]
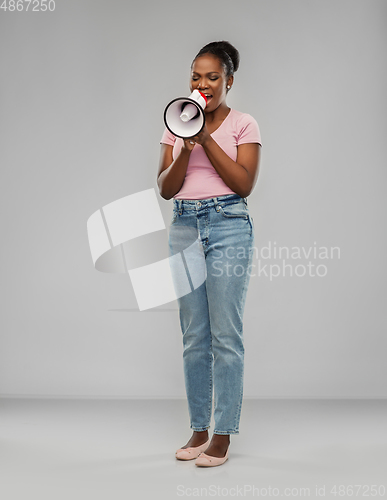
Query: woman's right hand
[[189, 144]]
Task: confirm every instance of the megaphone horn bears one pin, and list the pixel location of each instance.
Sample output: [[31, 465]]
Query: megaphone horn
[[184, 117]]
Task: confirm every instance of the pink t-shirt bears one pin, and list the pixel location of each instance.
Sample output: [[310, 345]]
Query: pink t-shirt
[[201, 179]]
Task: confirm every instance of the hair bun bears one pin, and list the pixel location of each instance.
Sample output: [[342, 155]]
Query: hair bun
[[231, 51], [227, 53]]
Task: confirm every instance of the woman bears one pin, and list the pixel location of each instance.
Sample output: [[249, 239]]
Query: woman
[[209, 177]]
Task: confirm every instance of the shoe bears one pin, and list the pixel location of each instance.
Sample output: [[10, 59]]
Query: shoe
[[191, 452], [204, 460]]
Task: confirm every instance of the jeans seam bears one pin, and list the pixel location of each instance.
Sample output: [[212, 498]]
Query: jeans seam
[[251, 225], [210, 385], [238, 413]]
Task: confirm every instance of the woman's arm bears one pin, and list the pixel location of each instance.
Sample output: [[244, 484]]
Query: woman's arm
[[171, 172], [240, 175]]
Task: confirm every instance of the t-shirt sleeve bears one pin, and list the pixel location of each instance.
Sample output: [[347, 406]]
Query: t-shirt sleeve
[[168, 138], [248, 130]]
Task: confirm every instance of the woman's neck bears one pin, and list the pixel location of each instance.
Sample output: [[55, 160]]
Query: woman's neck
[[219, 114]]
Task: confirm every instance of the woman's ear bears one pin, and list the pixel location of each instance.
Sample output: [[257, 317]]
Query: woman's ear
[[230, 81]]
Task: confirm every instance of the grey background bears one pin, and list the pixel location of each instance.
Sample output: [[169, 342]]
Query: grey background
[[83, 90]]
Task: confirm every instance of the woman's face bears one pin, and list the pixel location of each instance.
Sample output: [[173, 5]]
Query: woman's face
[[207, 75]]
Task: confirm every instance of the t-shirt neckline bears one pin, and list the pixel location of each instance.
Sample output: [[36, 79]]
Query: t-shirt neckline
[[229, 113]]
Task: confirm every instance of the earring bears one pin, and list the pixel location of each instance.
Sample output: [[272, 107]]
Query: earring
[[228, 86]]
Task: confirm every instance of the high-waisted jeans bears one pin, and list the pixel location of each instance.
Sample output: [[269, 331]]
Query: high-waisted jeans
[[211, 315]]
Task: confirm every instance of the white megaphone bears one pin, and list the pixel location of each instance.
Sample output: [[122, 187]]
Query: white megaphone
[[184, 117]]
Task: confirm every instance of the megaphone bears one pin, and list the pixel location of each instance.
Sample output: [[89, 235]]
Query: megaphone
[[184, 117]]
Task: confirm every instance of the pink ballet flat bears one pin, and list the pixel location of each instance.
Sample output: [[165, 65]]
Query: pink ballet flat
[[191, 452], [204, 460]]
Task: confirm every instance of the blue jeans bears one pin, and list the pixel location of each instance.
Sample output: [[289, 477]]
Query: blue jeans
[[211, 315]]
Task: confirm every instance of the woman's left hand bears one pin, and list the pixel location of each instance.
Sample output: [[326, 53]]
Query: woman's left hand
[[203, 137]]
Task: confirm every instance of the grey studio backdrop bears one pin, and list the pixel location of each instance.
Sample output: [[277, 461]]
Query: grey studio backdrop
[[83, 90]]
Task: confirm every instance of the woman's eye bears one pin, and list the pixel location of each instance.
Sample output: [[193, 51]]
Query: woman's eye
[[194, 79]]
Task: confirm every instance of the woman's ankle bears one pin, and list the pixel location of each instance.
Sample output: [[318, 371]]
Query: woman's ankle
[[201, 433]]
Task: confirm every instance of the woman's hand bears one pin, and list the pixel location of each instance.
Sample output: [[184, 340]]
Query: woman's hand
[[189, 144], [201, 139]]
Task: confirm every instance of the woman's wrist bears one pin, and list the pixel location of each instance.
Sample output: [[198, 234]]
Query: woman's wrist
[[186, 149], [207, 142]]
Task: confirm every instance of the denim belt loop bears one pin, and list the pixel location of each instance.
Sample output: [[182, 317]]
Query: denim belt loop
[[216, 203], [179, 204]]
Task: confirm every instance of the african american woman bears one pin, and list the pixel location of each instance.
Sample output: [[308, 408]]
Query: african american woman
[[209, 176]]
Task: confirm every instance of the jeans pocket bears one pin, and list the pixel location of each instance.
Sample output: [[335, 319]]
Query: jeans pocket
[[234, 210]]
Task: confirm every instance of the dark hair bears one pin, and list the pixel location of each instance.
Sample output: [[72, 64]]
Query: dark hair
[[225, 52]]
